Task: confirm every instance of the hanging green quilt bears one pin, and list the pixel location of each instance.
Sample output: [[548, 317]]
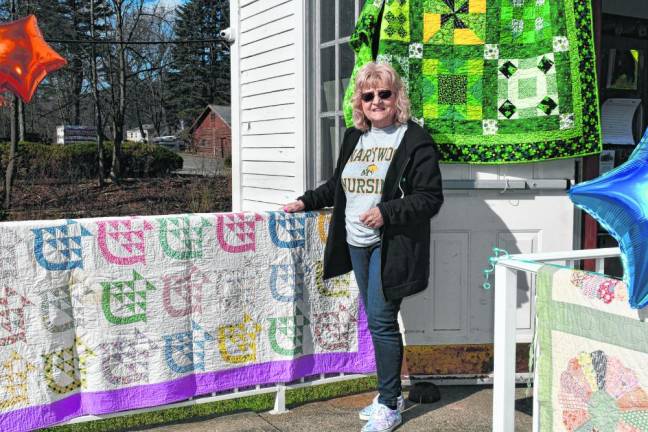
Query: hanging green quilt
[[493, 81]]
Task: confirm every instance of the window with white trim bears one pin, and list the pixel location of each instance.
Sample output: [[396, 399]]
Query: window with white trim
[[334, 58]]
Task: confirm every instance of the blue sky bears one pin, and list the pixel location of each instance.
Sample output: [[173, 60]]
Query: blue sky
[[171, 3]]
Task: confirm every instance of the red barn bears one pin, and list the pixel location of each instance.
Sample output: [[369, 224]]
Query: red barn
[[211, 134]]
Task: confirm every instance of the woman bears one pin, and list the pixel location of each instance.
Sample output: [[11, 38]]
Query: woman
[[385, 189]]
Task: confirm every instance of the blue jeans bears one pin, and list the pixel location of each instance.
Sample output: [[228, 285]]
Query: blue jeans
[[382, 316]]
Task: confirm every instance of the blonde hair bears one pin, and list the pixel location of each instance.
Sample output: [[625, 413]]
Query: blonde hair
[[377, 75]]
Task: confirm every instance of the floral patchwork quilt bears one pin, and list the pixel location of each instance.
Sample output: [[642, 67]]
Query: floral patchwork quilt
[[593, 354]]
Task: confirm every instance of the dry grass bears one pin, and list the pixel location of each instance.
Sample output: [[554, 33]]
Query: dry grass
[[51, 199]]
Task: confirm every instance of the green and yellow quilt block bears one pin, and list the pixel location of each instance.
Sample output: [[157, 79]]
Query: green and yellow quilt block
[[460, 22], [493, 81], [455, 86]]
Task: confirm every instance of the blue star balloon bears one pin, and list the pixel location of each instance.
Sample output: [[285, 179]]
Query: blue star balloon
[[618, 200]]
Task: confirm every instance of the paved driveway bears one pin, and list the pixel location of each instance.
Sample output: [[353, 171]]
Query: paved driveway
[[461, 409]]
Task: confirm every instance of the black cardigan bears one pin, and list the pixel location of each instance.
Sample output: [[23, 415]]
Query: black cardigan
[[411, 195]]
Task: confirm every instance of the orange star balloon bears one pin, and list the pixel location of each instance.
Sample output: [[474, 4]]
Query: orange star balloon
[[25, 57]]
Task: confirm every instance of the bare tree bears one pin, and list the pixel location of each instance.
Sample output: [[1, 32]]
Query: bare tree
[[128, 14], [95, 95], [13, 146], [148, 65], [21, 120]]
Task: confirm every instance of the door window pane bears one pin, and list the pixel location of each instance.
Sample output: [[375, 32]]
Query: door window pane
[[347, 57], [328, 148], [327, 20], [327, 63], [347, 17], [336, 60]]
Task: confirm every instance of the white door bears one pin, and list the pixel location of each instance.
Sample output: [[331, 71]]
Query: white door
[[455, 309]]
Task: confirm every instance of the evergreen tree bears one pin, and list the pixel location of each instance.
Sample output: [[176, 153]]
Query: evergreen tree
[[201, 71]]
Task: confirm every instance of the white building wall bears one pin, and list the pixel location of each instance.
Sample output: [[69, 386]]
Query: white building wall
[[267, 103]]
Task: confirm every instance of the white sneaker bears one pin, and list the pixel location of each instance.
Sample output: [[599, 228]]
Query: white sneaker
[[383, 419], [365, 412]]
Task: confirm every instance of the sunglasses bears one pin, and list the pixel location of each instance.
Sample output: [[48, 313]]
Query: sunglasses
[[382, 94]]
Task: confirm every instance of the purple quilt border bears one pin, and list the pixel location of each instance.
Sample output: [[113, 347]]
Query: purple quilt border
[[150, 395]]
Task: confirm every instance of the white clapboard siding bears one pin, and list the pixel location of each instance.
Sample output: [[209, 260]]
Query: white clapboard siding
[[268, 113], [270, 29], [259, 206], [269, 57], [275, 140], [269, 168], [270, 86], [274, 70], [268, 99], [286, 82], [269, 127], [266, 181], [286, 154], [259, 6], [271, 43], [269, 195], [270, 15]]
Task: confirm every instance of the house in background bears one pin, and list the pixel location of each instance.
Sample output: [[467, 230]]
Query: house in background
[[211, 133], [135, 135]]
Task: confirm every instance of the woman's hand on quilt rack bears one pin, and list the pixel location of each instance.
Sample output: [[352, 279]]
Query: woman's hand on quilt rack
[[295, 206]]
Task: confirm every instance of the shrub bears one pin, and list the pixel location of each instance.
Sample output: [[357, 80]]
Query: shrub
[[78, 161], [148, 160]]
